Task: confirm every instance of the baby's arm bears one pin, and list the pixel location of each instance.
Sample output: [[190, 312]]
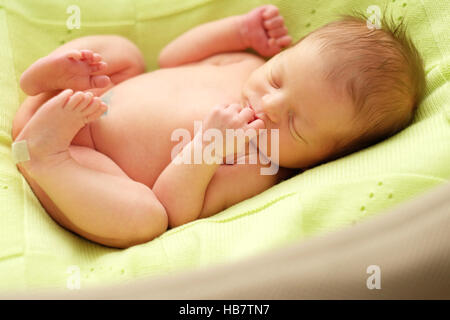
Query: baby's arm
[[181, 188], [235, 183], [261, 29]]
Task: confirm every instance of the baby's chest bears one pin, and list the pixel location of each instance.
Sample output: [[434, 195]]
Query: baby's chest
[[147, 112]]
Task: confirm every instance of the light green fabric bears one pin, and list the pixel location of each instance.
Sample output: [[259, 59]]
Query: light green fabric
[[36, 252]]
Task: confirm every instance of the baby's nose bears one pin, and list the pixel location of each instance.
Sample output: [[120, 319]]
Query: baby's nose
[[271, 107]]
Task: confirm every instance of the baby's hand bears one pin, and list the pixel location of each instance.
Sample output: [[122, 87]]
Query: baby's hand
[[234, 117], [263, 30]]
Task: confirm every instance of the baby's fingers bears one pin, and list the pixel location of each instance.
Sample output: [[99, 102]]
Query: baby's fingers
[[284, 41], [270, 11], [256, 125], [274, 23], [246, 115], [278, 33], [234, 107]]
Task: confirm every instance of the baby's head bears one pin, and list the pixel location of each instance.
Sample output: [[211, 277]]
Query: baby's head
[[339, 89]]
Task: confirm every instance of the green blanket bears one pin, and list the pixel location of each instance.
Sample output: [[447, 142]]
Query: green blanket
[[35, 252]]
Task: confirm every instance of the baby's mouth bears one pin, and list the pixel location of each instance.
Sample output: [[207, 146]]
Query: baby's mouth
[[248, 105], [258, 115]]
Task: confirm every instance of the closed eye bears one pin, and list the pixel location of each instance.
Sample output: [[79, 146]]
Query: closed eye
[[272, 81], [294, 133]]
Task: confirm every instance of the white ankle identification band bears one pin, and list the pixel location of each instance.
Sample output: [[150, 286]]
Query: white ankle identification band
[[20, 151]]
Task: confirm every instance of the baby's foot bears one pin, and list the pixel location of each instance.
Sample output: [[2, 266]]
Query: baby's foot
[[75, 69], [263, 29], [53, 127]]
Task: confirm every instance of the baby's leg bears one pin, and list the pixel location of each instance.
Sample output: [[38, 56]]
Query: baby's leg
[[74, 69], [122, 60], [105, 207], [83, 64]]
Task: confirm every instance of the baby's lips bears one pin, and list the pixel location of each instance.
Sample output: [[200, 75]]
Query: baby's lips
[[255, 115]]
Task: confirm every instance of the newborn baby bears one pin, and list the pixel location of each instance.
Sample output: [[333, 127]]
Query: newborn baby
[[115, 180]]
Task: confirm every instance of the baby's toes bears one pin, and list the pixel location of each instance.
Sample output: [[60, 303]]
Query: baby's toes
[[94, 110], [74, 54], [101, 81], [97, 58], [74, 100], [91, 107], [103, 108], [87, 55], [98, 67], [87, 99]]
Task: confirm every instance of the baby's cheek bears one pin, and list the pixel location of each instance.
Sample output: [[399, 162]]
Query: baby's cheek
[[280, 141]]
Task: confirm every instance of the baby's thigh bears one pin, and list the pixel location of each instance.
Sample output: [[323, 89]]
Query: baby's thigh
[[92, 159], [86, 157]]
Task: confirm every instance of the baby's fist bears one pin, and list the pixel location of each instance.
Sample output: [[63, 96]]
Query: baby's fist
[[240, 120], [263, 29]]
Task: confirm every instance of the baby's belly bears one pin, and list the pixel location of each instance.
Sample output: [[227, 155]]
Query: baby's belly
[[143, 114]]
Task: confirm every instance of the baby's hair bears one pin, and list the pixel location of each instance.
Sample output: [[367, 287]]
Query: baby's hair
[[384, 75]]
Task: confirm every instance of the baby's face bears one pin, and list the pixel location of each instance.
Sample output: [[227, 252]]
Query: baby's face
[[289, 94]]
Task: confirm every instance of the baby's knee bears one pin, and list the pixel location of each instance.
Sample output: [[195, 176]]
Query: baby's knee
[[151, 222], [131, 52]]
